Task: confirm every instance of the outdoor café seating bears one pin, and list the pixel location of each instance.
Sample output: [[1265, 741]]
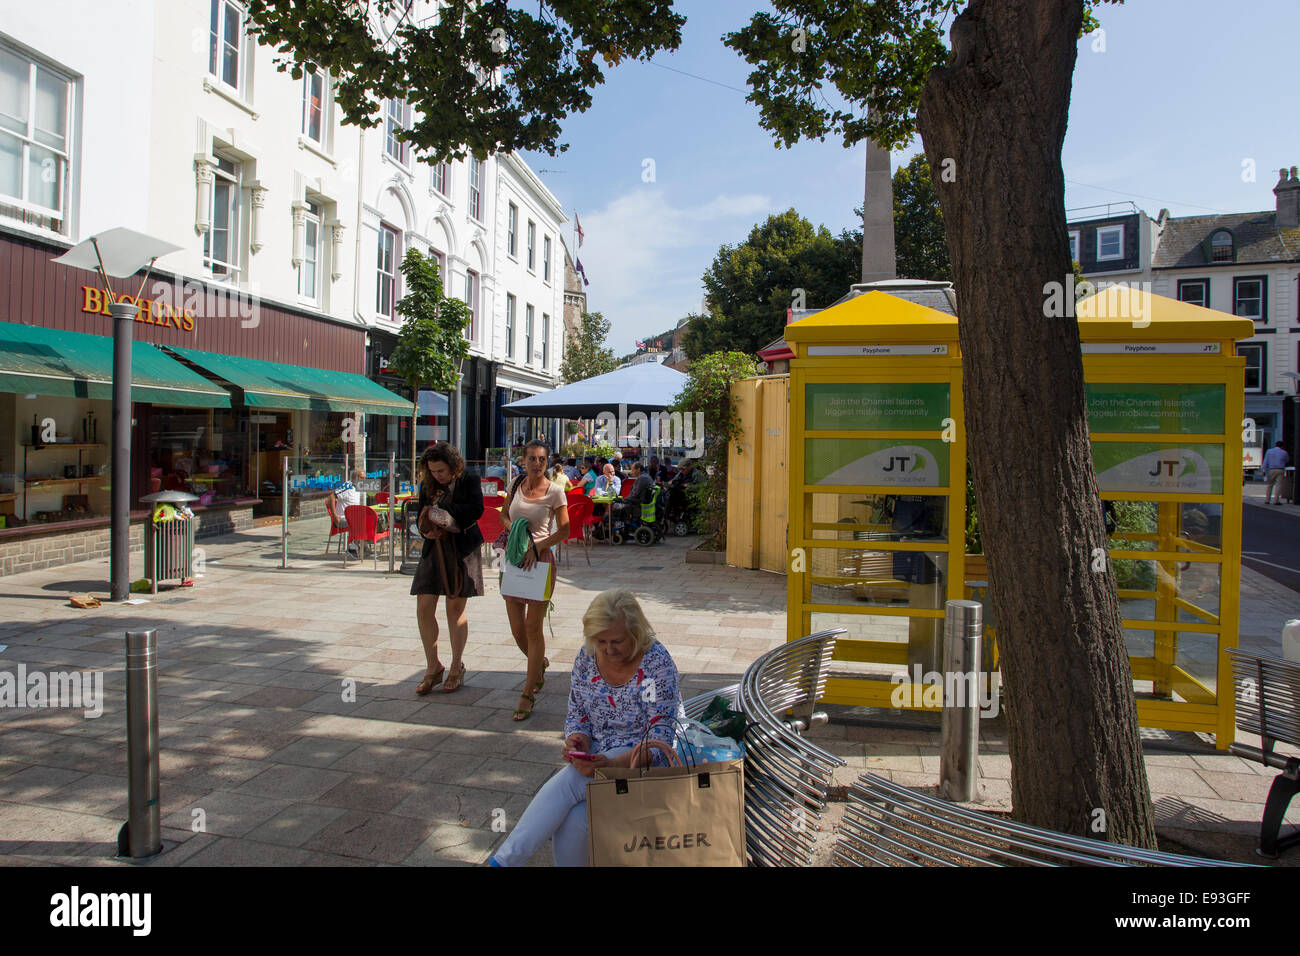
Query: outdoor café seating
[[363, 527]]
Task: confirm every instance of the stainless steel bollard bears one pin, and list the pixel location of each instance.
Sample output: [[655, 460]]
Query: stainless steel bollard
[[960, 728], [141, 835], [284, 512], [392, 493]]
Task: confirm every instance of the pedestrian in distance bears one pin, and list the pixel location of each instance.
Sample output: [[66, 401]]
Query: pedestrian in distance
[[1275, 461], [450, 504]]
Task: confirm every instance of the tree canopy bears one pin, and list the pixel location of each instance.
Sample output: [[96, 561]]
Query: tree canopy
[[432, 340], [585, 353], [785, 262], [920, 247], [483, 76]]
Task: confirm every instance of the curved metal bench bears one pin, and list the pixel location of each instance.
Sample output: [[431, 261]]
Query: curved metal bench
[[886, 824], [787, 779], [1268, 704]]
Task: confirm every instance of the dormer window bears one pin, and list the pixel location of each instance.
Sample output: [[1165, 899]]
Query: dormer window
[[1221, 247]]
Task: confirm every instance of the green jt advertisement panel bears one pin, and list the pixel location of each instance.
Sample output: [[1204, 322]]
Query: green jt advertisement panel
[[1144, 466], [1164, 409], [906, 463], [868, 406]]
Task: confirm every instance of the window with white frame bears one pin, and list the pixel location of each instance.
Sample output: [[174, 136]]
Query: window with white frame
[[1110, 243], [221, 242], [440, 178], [471, 300], [1248, 298], [475, 189], [397, 119], [1074, 245], [512, 230], [546, 258], [532, 245], [225, 43], [546, 341], [35, 149], [309, 270], [1195, 291], [390, 245], [511, 308], [1254, 356], [313, 106], [528, 335]]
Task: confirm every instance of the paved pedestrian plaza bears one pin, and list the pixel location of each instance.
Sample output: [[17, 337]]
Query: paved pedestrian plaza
[[290, 733]]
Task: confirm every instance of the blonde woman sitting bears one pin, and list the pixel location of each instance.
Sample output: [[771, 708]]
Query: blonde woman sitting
[[623, 688]]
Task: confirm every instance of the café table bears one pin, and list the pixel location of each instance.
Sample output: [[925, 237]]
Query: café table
[[608, 516]]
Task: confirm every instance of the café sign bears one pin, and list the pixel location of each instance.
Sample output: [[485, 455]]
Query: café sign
[[149, 311]]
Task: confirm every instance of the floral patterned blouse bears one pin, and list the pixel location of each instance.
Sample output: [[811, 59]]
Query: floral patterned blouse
[[619, 716]]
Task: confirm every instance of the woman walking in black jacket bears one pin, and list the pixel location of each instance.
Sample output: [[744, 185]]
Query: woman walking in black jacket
[[451, 502]]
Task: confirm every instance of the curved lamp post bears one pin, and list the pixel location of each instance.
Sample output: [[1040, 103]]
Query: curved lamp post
[[120, 253]]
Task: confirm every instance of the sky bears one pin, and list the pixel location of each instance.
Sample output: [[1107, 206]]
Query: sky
[[1166, 109]]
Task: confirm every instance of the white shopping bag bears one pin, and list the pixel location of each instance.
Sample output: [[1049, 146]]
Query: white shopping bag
[[534, 584]]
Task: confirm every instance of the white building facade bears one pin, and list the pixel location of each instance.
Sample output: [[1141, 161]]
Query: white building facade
[[165, 116], [1245, 264]]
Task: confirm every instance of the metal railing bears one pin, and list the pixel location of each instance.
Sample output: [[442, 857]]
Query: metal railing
[[886, 824]]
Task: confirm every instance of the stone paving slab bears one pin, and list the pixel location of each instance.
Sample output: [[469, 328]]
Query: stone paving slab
[[288, 715]]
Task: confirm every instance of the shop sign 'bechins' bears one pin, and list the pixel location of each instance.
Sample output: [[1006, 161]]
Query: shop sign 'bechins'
[[150, 311]]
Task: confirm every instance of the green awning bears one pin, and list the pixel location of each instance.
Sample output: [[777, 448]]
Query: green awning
[[52, 362], [275, 385]]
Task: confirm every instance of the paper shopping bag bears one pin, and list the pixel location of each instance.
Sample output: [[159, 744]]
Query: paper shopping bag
[[667, 816], [534, 584]]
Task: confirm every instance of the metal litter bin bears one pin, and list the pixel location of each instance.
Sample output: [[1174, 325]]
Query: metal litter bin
[[169, 544], [1288, 485]]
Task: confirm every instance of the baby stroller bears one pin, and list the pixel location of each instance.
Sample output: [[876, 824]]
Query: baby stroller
[[677, 510], [644, 528]]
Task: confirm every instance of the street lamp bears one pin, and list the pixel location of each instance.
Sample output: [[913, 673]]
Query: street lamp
[[120, 253]]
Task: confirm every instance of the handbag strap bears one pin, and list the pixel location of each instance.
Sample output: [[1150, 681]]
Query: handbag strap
[[649, 743]]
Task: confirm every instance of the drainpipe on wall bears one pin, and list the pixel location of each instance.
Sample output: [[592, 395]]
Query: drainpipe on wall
[[358, 440]]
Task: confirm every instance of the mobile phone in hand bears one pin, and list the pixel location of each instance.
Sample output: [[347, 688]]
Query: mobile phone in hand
[[579, 755]]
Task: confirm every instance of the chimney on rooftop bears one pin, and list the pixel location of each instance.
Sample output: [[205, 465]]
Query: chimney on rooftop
[[1287, 192]]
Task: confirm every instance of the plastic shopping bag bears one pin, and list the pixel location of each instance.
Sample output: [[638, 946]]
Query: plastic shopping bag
[[696, 744]]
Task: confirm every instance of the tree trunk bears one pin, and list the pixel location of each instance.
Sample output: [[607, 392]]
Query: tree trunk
[[993, 121]]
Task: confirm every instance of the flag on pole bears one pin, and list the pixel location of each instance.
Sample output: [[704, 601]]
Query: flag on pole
[[640, 346], [577, 224], [578, 266]]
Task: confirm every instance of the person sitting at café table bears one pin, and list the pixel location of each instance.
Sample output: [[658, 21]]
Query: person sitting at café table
[[607, 484], [588, 479], [642, 491], [624, 687]]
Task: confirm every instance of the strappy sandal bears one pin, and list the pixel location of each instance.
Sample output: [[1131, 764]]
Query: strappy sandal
[[546, 662], [520, 713], [455, 679], [431, 680]]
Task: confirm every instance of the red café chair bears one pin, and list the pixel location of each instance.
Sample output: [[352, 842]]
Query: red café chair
[[337, 525], [381, 497], [363, 525], [580, 522], [489, 523]]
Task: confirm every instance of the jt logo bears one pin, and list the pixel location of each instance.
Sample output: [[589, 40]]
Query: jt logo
[[1168, 466], [902, 462]]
